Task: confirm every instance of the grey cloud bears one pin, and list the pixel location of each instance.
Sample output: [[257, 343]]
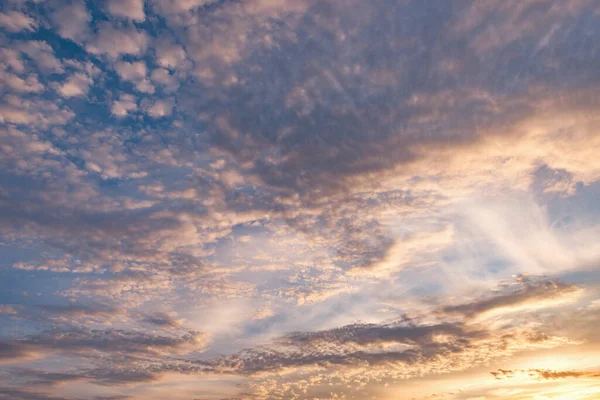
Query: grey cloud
[[38, 378], [110, 340], [412, 340], [24, 394], [355, 345], [12, 350], [73, 340], [29, 394], [160, 319], [77, 310], [375, 334], [530, 291], [349, 92]]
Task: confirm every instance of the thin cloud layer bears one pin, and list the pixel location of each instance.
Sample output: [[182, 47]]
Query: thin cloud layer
[[544, 374], [301, 199]]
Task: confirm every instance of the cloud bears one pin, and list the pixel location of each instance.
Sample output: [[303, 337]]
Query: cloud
[[329, 167], [37, 378], [160, 319], [132, 9], [289, 139], [77, 311], [131, 71], [77, 84], [11, 59], [72, 20], [543, 374], [125, 104], [160, 108], [162, 77], [179, 6], [530, 293], [15, 21], [135, 72], [169, 55], [7, 309], [405, 344], [33, 112], [114, 41], [43, 55], [108, 341], [29, 84]]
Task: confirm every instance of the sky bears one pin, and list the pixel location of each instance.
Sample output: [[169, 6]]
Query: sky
[[299, 199]]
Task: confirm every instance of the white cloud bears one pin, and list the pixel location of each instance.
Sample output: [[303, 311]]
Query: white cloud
[[14, 21], [121, 107], [72, 21], [179, 6], [521, 231], [77, 85], [29, 84], [14, 115], [116, 41], [135, 72], [43, 55], [162, 77], [11, 58], [131, 71], [34, 111], [169, 55], [145, 86], [133, 9], [160, 108]]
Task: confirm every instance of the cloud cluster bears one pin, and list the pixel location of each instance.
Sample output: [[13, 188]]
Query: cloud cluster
[[171, 168]]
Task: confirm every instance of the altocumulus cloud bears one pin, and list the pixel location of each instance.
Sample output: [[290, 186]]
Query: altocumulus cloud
[[295, 199]]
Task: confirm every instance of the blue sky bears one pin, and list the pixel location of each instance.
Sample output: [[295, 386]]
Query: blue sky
[[302, 199]]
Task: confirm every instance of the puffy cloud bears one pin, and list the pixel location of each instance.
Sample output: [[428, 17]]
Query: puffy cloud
[[11, 59], [114, 41], [162, 77], [178, 6], [169, 54], [29, 84], [145, 86], [124, 105], [160, 108], [34, 112], [43, 55], [133, 9], [15, 21], [77, 84], [72, 20], [136, 73], [131, 71]]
